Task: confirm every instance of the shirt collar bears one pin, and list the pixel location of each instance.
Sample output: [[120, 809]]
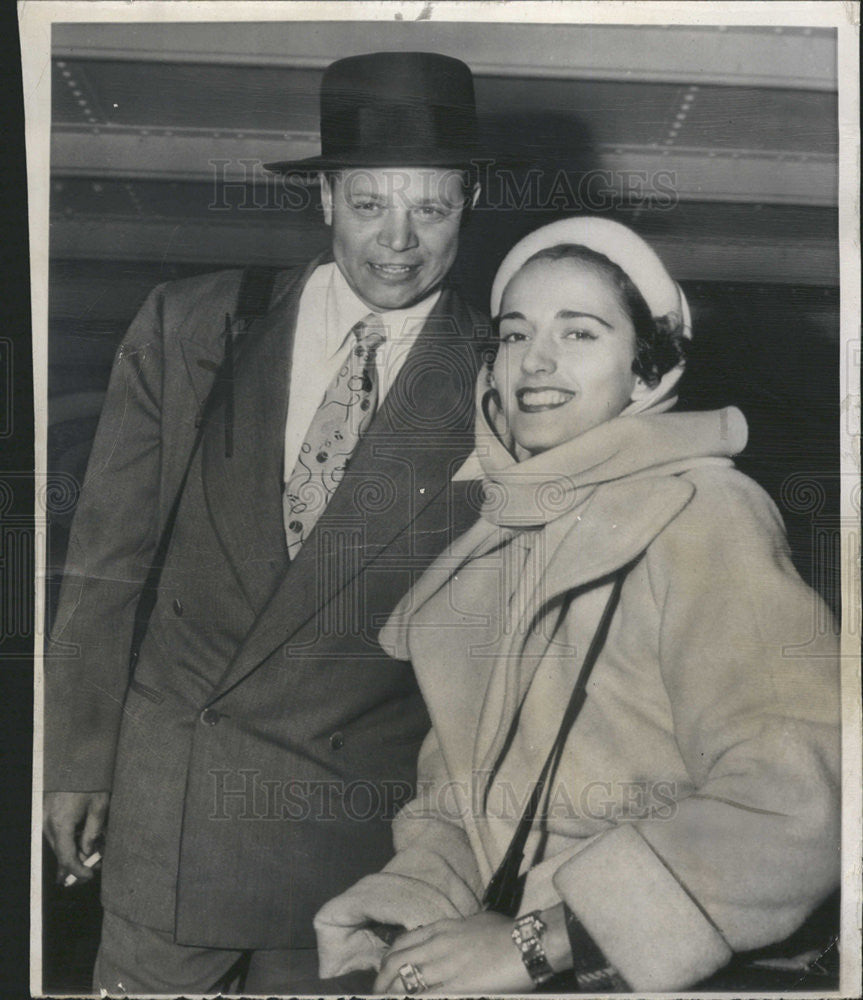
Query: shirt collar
[[344, 309]]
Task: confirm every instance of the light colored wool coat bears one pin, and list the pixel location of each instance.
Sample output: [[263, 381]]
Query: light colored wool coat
[[695, 811]]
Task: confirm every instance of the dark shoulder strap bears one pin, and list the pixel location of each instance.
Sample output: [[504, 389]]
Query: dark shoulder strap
[[253, 300], [256, 290], [503, 893]]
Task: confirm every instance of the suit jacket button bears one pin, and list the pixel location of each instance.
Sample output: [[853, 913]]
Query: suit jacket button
[[210, 717], [337, 741], [178, 607]]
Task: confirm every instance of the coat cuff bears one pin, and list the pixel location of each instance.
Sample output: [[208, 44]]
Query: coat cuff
[[344, 942], [648, 926]]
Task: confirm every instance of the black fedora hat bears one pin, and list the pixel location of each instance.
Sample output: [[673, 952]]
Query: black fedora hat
[[387, 109]]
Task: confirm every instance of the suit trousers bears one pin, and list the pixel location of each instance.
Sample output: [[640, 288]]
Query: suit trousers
[[139, 961]]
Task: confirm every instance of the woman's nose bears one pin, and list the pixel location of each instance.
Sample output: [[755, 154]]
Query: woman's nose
[[538, 357], [397, 231]]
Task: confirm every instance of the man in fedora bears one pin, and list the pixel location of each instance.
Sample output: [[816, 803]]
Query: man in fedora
[[265, 484]]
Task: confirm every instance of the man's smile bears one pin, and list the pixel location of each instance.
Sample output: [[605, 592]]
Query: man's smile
[[393, 271]]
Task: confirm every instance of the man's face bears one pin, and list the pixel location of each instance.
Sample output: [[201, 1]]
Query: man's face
[[395, 230]]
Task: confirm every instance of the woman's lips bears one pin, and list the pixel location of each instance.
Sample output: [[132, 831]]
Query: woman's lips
[[543, 398]]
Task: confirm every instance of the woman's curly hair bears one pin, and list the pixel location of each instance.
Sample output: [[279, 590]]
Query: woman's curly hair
[[659, 341]]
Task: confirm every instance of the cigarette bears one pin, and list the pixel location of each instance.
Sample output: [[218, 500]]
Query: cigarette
[[93, 860]]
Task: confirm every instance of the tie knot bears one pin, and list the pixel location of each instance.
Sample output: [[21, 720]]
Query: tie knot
[[370, 332]]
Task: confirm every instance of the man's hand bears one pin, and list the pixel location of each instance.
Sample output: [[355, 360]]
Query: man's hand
[[72, 822], [474, 955]]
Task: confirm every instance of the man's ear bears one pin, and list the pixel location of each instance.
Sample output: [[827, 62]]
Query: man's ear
[[326, 198]]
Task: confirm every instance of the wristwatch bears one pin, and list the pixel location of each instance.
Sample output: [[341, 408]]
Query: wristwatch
[[527, 935]]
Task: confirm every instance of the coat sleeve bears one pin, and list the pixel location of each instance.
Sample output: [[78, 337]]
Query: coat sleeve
[[432, 876], [112, 540], [753, 687]]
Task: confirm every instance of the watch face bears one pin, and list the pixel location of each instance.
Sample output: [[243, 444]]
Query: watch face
[[530, 926], [527, 931]]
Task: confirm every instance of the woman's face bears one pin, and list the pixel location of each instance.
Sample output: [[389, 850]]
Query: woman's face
[[567, 345]]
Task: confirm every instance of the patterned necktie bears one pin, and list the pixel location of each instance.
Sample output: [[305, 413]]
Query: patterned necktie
[[340, 421]]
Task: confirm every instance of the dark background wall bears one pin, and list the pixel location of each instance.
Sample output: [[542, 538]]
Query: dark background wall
[[719, 146]]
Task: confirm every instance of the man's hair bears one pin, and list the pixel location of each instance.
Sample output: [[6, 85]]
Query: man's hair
[[659, 341]]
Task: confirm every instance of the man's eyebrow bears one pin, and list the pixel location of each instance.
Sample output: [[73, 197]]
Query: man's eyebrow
[[437, 201], [572, 314]]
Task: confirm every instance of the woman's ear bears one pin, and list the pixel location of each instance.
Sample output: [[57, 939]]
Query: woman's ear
[[640, 390]]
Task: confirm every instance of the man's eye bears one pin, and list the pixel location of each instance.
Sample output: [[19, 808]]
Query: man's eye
[[367, 207], [431, 212]]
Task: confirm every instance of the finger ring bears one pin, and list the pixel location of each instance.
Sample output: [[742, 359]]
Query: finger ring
[[412, 978]]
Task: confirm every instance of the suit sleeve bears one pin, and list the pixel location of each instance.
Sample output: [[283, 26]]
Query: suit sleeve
[[753, 687], [111, 543], [433, 876]]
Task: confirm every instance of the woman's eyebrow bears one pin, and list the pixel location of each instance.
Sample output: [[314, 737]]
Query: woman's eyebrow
[[571, 314], [511, 315]]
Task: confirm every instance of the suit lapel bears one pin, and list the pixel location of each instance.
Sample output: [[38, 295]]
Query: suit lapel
[[244, 490], [419, 437]]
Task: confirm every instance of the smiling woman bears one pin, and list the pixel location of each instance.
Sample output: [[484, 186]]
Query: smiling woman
[[567, 347], [586, 337], [628, 589]]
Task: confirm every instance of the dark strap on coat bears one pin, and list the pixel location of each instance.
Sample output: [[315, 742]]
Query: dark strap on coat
[[256, 289], [253, 299], [504, 891]]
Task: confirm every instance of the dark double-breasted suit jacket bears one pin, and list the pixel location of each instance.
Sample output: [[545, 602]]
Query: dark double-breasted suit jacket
[[264, 741]]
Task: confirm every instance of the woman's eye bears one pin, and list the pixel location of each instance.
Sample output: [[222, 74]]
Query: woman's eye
[[580, 334], [512, 336]]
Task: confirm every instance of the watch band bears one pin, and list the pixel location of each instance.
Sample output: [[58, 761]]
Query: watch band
[[592, 970], [527, 935]]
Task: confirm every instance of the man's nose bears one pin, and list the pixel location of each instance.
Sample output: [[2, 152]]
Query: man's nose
[[397, 231], [538, 357]]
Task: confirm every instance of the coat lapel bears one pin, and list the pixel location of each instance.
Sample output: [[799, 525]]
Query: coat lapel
[[419, 437], [244, 489]]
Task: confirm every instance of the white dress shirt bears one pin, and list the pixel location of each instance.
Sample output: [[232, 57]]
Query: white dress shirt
[[328, 311]]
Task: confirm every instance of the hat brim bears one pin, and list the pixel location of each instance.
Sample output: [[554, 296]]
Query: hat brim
[[454, 158]]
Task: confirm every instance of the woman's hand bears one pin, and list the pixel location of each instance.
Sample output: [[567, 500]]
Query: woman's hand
[[474, 955]]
